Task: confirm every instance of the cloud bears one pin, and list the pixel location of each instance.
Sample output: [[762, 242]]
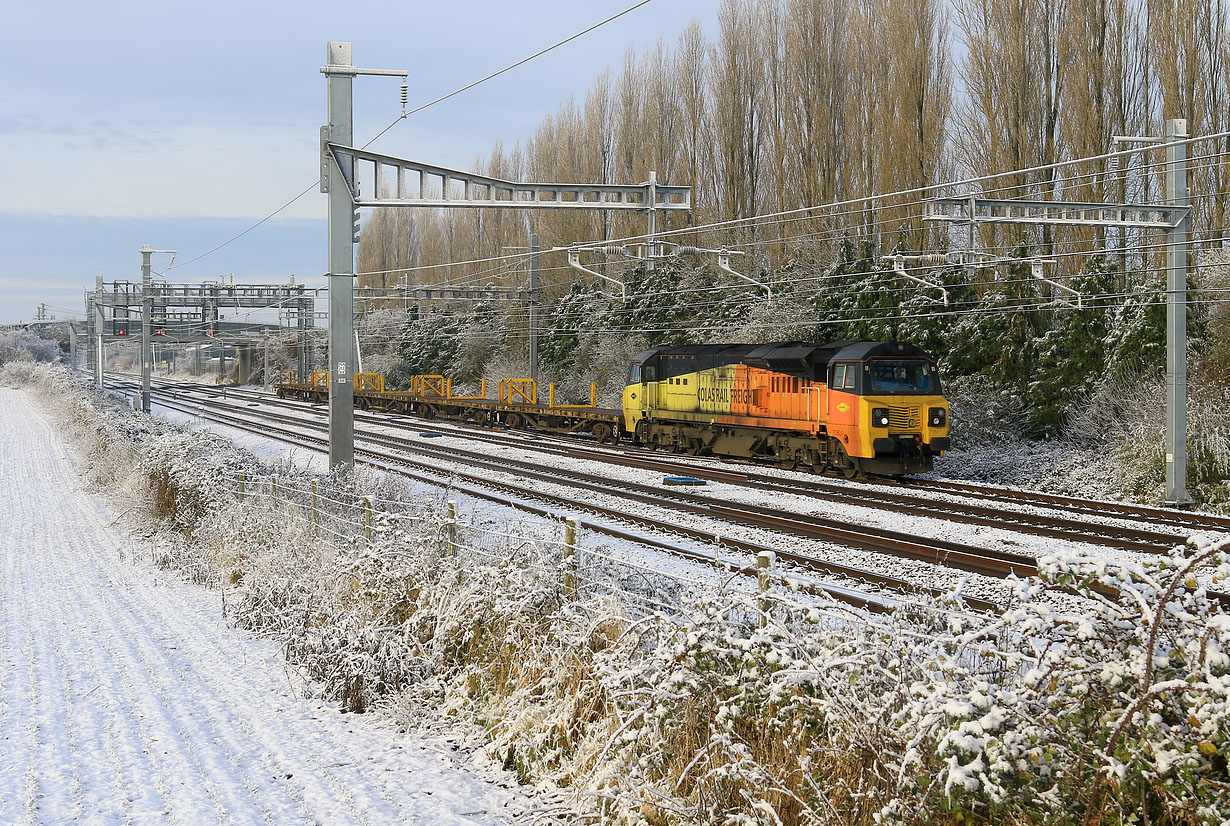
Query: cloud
[[202, 170]]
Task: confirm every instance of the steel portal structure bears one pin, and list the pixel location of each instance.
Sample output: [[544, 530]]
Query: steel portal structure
[[414, 184], [1172, 216]]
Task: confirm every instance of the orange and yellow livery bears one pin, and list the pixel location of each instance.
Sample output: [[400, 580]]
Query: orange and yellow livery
[[868, 406]]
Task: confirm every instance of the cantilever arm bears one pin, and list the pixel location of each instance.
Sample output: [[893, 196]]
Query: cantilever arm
[[899, 269], [574, 261], [723, 262], [1035, 269]]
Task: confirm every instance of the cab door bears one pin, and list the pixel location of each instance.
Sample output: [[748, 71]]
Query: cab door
[[634, 397], [842, 395]]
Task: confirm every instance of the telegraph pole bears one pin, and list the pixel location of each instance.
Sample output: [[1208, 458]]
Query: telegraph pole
[[1176, 315]]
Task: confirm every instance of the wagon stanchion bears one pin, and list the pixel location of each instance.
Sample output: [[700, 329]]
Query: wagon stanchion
[[450, 548], [764, 567], [570, 557]]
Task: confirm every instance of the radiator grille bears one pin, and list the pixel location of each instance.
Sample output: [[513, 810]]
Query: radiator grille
[[903, 418]]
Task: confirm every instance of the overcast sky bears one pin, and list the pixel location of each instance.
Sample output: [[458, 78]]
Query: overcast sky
[[178, 125]]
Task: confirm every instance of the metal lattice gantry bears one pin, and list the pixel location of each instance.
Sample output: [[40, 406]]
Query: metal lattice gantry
[[370, 179], [1173, 217], [385, 181], [967, 209], [187, 313]]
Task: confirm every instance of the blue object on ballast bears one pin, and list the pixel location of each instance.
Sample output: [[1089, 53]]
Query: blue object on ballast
[[683, 480], [429, 434]]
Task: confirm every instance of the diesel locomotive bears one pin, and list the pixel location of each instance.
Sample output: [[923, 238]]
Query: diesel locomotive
[[850, 406], [847, 406]]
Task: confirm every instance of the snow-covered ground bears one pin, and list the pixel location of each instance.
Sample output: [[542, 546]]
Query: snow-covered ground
[[125, 698]]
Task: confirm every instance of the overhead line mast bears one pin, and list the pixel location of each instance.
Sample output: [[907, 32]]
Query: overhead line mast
[[413, 184], [337, 171]]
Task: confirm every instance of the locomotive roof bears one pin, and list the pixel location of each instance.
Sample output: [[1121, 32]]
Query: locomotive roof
[[792, 351], [862, 350]]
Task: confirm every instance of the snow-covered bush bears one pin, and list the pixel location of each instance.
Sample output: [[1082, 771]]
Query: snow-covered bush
[[22, 345], [1117, 712]]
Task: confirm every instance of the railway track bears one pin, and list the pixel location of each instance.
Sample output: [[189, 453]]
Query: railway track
[[1085, 507], [389, 456], [1155, 536], [987, 562]]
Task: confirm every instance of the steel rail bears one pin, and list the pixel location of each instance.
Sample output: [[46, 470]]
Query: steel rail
[[939, 552], [985, 561], [1126, 510], [401, 465], [1144, 540]]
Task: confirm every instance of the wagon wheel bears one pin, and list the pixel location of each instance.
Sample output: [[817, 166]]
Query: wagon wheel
[[513, 420], [602, 431]]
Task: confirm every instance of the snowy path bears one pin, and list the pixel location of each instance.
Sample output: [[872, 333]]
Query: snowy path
[[124, 698]]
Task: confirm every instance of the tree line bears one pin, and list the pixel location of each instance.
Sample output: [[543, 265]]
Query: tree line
[[799, 103]]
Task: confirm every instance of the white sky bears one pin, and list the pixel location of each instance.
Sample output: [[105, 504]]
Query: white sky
[[172, 124]]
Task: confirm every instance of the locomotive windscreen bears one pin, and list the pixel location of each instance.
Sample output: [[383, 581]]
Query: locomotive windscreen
[[902, 376]]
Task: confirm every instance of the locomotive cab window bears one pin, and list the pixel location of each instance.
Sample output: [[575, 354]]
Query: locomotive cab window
[[902, 376], [634, 374], [844, 377], [651, 373]]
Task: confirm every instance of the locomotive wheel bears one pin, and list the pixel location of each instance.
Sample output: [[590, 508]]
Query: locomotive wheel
[[842, 462]]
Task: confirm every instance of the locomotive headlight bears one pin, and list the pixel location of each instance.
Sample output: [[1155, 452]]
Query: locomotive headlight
[[879, 417], [938, 416]]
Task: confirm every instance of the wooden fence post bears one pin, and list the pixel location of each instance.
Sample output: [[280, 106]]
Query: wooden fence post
[[451, 528], [764, 566], [367, 518], [570, 557], [312, 510]]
